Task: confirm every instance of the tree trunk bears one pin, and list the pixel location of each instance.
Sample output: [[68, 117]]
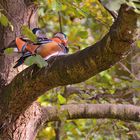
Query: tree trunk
[[26, 126], [21, 121], [19, 13]]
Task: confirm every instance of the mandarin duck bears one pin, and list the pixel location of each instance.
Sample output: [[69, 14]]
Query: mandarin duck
[[45, 48], [19, 44]]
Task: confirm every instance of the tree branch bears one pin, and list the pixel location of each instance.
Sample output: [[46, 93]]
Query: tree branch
[[74, 68], [78, 111], [112, 13], [38, 116]]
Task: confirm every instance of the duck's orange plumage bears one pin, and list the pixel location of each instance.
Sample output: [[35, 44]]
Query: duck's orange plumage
[[47, 49], [25, 46], [54, 46], [20, 43]]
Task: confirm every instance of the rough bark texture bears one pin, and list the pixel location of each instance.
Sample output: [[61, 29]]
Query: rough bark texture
[[16, 115], [33, 81], [19, 13], [36, 116], [78, 111]]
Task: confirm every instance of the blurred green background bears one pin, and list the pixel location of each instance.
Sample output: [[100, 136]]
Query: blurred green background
[[85, 22]]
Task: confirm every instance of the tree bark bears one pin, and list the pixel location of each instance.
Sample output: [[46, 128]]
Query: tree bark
[[17, 116], [70, 69], [19, 13], [29, 123], [79, 111]]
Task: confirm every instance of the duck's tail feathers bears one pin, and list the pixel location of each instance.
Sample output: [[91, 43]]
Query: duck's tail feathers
[[21, 60]]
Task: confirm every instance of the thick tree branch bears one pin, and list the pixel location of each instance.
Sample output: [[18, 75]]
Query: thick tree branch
[[78, 111], [70, 69], [43, 115]]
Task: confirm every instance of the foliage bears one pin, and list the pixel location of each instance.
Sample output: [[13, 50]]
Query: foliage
[[8, 50], [3, 20], [37, 59], [86, 22], [28, 33]]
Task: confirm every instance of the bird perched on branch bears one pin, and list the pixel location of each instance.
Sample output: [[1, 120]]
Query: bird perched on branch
[[20, 43], [45, 48]]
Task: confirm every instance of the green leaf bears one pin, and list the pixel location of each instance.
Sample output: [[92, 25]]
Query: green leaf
[[106, 75], [55, 5], [122, 125], [3, 20], [36, 60], [61, 99], [28, 33], [40, 61], [138, 43], [9, 50], [83, 34], [30, 60]]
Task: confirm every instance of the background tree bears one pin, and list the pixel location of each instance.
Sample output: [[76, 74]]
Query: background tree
[[85, 22]]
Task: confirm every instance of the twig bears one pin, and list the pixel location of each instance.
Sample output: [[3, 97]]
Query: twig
[[57, 130], [60, 21], [97, 19], [113, 14], [125, 68]]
